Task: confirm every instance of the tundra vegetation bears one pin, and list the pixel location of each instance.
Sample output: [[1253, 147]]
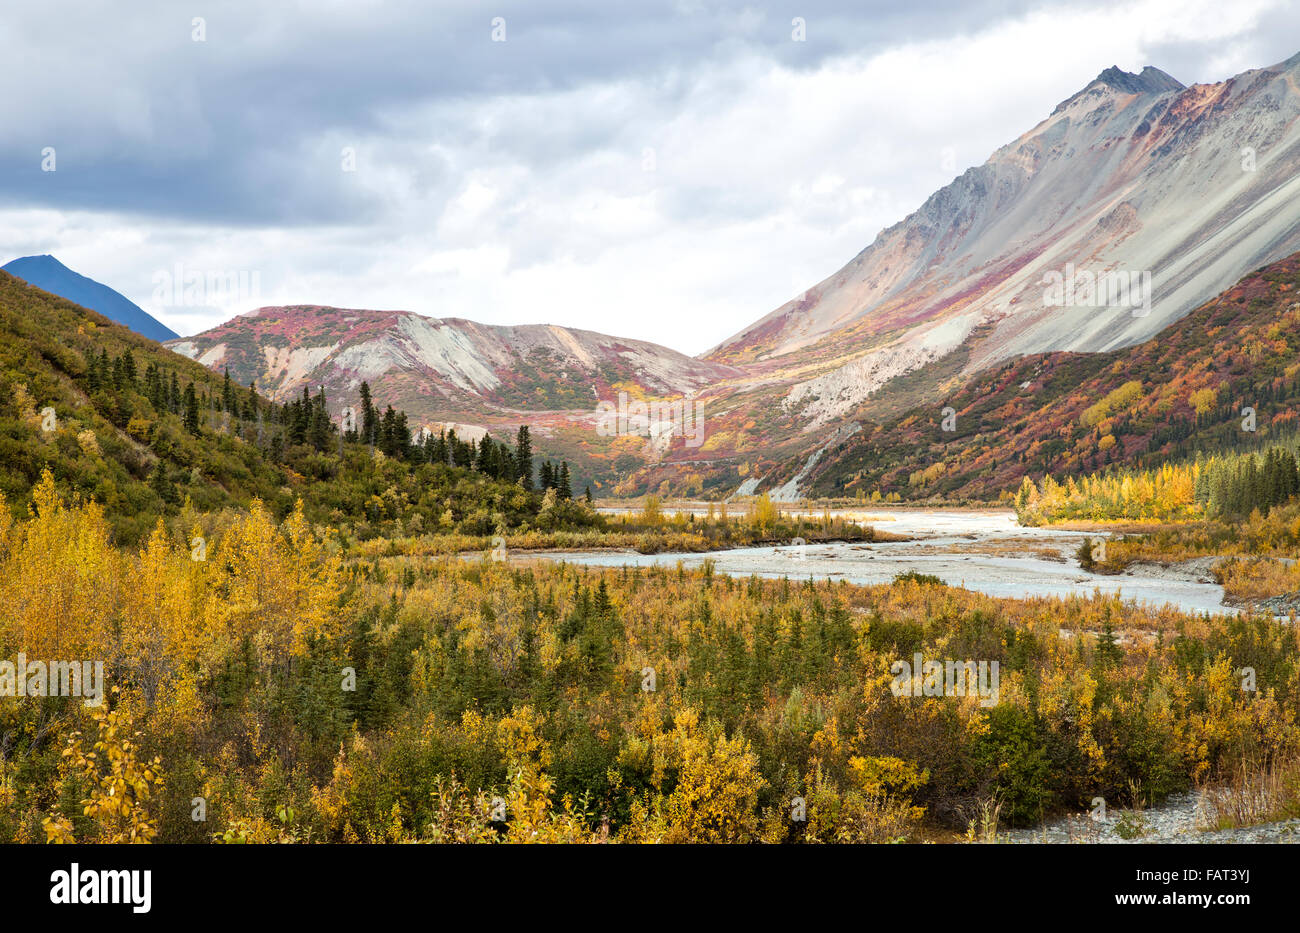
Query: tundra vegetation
[[286, 688]]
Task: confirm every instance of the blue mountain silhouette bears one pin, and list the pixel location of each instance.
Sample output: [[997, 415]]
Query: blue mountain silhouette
[[47, 273]]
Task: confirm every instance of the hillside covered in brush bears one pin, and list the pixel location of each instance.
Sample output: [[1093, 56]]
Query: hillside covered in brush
[[119, 418], [1200, 385]]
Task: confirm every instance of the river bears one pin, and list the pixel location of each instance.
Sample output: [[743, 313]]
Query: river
[[983, 550]]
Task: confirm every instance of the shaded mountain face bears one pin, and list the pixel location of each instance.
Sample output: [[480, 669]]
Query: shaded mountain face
[[48, 274]]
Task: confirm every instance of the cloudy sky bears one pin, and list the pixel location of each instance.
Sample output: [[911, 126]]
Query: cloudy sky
[[663, 170]]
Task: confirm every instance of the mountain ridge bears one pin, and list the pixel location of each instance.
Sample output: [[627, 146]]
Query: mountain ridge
[[429, 340], [1187, 188], [1182, 188], [461, 374]]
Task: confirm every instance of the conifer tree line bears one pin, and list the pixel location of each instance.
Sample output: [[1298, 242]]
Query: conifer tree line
[[307, 421], [557, 478], [1232, 487], [391, 434], [1237, 486]]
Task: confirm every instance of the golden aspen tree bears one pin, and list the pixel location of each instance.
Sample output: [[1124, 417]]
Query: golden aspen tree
[[123, 786], [61, 579]]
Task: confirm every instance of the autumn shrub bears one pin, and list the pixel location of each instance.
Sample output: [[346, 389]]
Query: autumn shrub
[[1012, 757], [306, 694], [873, 807]]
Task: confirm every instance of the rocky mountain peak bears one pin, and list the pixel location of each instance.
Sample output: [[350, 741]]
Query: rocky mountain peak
[[1149, 81]]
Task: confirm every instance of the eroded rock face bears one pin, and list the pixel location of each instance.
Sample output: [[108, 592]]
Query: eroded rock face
[[1136, 173], [417, 359]]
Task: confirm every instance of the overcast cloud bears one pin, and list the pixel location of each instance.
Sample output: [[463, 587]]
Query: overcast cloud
[[669, 171]]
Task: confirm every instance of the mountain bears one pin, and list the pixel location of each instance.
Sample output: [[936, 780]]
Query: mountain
[[1182, 189], [1224, 378], [109, 414], [453, 372], [1132, 204], [449, 364], [47, 273], [1134, 173]]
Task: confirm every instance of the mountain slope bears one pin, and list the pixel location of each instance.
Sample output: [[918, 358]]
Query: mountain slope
[[1185, 189], [456, 362], [48, 274], [104, 440], [105, 411], [1232, 364], [455, 372], [1193, 185]]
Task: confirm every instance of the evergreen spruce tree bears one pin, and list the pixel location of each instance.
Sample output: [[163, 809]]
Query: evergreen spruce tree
[[401, 436], [159, 482], [191, 409], [562, 484], [319, 425], [1109, 653], [524, 457], [369, 417]]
